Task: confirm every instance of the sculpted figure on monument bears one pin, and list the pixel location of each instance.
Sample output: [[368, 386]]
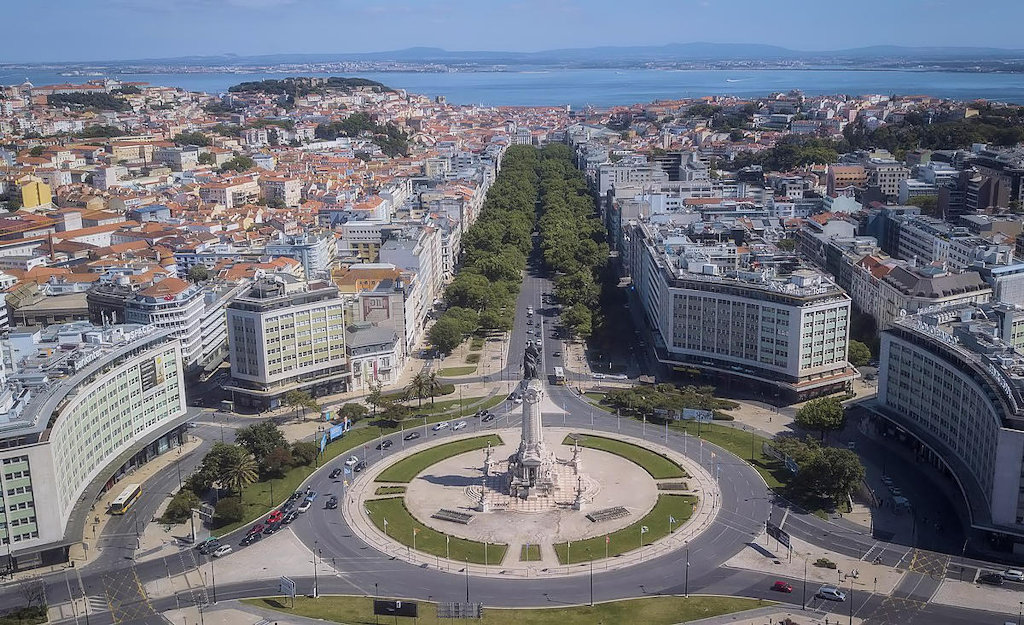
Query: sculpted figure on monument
[[531, 363]]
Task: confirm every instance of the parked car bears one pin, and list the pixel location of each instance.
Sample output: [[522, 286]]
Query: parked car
[[332, 503], [287, 507], [291, 516], [351, 462], [993, 579], [384, 444], [411, 436], [256, 529], [781, 586], [274, 516], [440, 426], [360, 466], [487, 418], [831, 593], [459, 425], [335, 473], [272, 528], [1014, 575], [250, 538], [305, 505], [223, 550]]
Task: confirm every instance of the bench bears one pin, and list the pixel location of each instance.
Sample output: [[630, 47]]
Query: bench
[[608, 514], [444, 514]]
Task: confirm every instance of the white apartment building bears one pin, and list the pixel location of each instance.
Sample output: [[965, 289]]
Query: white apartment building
[[84, 407], [177, 306], [949, 381], [286, 335], [285, 190], [315, 250], [788, 333]]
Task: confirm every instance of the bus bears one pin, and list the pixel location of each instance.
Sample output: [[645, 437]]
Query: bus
[[126, 499], [559, 375]]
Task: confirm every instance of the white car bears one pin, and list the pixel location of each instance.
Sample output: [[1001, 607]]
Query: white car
[[459, 425], [517, 400], [223, 550], [305, 505], [440, 426], [1014, 575], [831, 593], [352, 461]]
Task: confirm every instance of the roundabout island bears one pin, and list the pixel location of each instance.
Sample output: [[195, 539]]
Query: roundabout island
[[532, 501]]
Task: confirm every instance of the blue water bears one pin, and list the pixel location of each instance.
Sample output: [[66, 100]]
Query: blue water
[[606, 87]]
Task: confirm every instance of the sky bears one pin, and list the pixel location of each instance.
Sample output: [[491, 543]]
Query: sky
[[97, 30]]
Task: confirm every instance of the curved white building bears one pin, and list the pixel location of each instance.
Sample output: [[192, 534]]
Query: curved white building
[[86, 405], [949, 380]]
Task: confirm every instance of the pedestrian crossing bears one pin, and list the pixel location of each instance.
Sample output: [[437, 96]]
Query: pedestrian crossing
[[97, 604]]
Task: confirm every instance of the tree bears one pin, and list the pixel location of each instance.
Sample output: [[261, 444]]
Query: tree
[[260, 439], [179, 509], [839, 472], [207, 158], [34, 592], [445, 335], [239, 472], [304, 453], [198, 273], [353, 412], [824, 414], [433, 386], [192, 138], [301, 400], [786, 245], [418, 387], [376, 397], [858, 353], [238, 163], [37, 151], [929, 204], [229, 511], [279, 459]]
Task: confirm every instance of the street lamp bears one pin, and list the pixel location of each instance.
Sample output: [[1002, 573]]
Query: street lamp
[[686, 575], [316, 581], [803, 605], [591, 558]]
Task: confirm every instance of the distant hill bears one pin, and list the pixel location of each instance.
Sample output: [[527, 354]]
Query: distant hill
[[613, 55]]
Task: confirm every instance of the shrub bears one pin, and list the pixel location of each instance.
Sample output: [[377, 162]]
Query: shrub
[[229, 510], [825, 563], [180, 508], [304, 453], [473, 359]]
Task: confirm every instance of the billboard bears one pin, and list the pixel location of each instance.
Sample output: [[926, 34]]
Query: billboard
[[701, 416], [336, 431]]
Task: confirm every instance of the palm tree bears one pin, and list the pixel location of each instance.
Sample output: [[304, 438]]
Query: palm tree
[[239, 472], [433, 386], [418, 387]]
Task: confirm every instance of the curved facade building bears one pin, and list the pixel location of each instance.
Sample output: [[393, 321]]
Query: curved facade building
[[88, 405], [950, 380]]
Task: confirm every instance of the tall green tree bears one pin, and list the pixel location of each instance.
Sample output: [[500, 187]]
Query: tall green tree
[[418, 387], [259, 439], [823, 415], [239, 472], [858, 353]]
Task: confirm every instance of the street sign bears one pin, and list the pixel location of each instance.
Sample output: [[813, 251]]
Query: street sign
[[701, 416], [287, 586], [454, 609], [777, 533], [387, 607]]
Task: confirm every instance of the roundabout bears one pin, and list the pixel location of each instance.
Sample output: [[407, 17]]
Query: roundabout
[[532, 501]]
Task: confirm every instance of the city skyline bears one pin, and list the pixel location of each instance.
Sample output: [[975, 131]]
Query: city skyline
[[145, 29]]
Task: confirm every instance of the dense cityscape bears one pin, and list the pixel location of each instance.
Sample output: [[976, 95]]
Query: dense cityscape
[[357, 352]]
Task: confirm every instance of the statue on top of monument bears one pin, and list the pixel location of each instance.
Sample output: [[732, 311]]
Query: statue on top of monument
[[531, 363]]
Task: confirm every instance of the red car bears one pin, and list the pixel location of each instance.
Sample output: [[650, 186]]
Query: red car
[[256, 529], [274, 516], [781, 586]]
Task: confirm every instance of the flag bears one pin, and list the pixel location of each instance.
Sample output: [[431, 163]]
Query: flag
[[607, 539], [385, 524], [712, 454], [415, 531], [644, 529], [671, 519], [446, 539]]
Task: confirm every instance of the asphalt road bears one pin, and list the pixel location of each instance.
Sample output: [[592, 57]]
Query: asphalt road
[[113, 584]]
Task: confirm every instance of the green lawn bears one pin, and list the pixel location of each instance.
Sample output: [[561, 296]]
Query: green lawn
[[648, 611], [472, 359], [406, 469], [680, 507], [400, 528], [654, 463], [529, 553], [389, 490], [741, 443], [441, 406], [456, 371], [476, 343]]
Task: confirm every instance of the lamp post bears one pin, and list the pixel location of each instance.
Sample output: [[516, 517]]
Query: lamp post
[[316, 581], [213, 580], [591, 558], [467, 579], [803, 604], [686, 575]]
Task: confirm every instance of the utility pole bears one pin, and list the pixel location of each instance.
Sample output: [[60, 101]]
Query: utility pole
[[316, 582], [686, 575], [803, 605]]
